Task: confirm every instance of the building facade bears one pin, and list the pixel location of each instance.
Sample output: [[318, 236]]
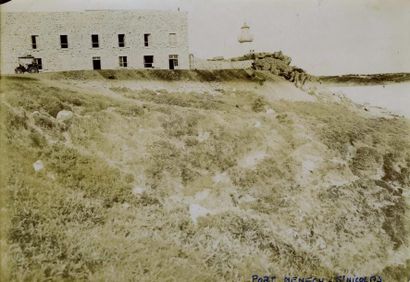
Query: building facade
[[97, 39]]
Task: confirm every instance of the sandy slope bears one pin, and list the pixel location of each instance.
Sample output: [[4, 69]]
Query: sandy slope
[[201, 180]]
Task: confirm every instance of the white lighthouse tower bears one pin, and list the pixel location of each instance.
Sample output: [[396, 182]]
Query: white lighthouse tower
[[246, 40]]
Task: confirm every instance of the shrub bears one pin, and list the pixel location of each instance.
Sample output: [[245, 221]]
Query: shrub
[[258, 105]]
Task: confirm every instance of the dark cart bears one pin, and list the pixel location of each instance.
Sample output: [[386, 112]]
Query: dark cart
[[27, 64]]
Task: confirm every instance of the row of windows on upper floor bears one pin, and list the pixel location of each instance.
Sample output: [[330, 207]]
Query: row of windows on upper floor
[[95, 40]]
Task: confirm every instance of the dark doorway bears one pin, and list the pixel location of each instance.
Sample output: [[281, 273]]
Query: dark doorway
[[173, 61], [171, 64], [96, 63], [39, 63]]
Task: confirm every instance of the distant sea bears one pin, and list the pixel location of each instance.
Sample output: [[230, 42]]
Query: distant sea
[[393, 97]]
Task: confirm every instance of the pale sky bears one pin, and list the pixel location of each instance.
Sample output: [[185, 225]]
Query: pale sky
[[322, 36]]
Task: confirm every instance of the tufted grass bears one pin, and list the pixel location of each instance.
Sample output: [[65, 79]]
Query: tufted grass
[[79, 219]]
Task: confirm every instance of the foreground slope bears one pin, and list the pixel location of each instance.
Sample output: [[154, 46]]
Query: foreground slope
[[199, 176]]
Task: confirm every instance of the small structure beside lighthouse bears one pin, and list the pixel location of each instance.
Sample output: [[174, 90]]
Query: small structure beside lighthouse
[[246, 39]]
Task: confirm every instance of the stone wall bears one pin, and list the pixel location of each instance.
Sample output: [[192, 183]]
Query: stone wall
[[201, 64], [17, 29]]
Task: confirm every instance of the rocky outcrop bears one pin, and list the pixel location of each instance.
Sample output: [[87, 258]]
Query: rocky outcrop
[[279, 64]]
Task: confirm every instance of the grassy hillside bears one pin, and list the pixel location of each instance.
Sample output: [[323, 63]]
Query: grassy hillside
[[283, 183]]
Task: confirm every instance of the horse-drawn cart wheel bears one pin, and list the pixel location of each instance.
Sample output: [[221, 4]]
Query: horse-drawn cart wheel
[[19, 70]]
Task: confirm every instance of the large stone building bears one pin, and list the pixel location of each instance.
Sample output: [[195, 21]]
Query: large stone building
[[97, 39]]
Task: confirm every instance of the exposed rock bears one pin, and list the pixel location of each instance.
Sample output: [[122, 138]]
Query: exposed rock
[[279, 64], [201, 195], [38, 166], [138, 190], [270, 112], [246, 199], [321, 244], [197, 211], [221, 178], [64, 115], [257, 124], [252, 159], [203, 136]]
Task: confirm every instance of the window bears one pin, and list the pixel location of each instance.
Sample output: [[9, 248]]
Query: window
[[147, 37], [34, 41], [123, 61], [96, 63], [64, 41], [173, 61], [94, 41], [172, 39], [39, 63], [148, 61], [121, 40]]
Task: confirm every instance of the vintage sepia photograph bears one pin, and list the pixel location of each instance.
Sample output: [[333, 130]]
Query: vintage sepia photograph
[[218, 140]]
